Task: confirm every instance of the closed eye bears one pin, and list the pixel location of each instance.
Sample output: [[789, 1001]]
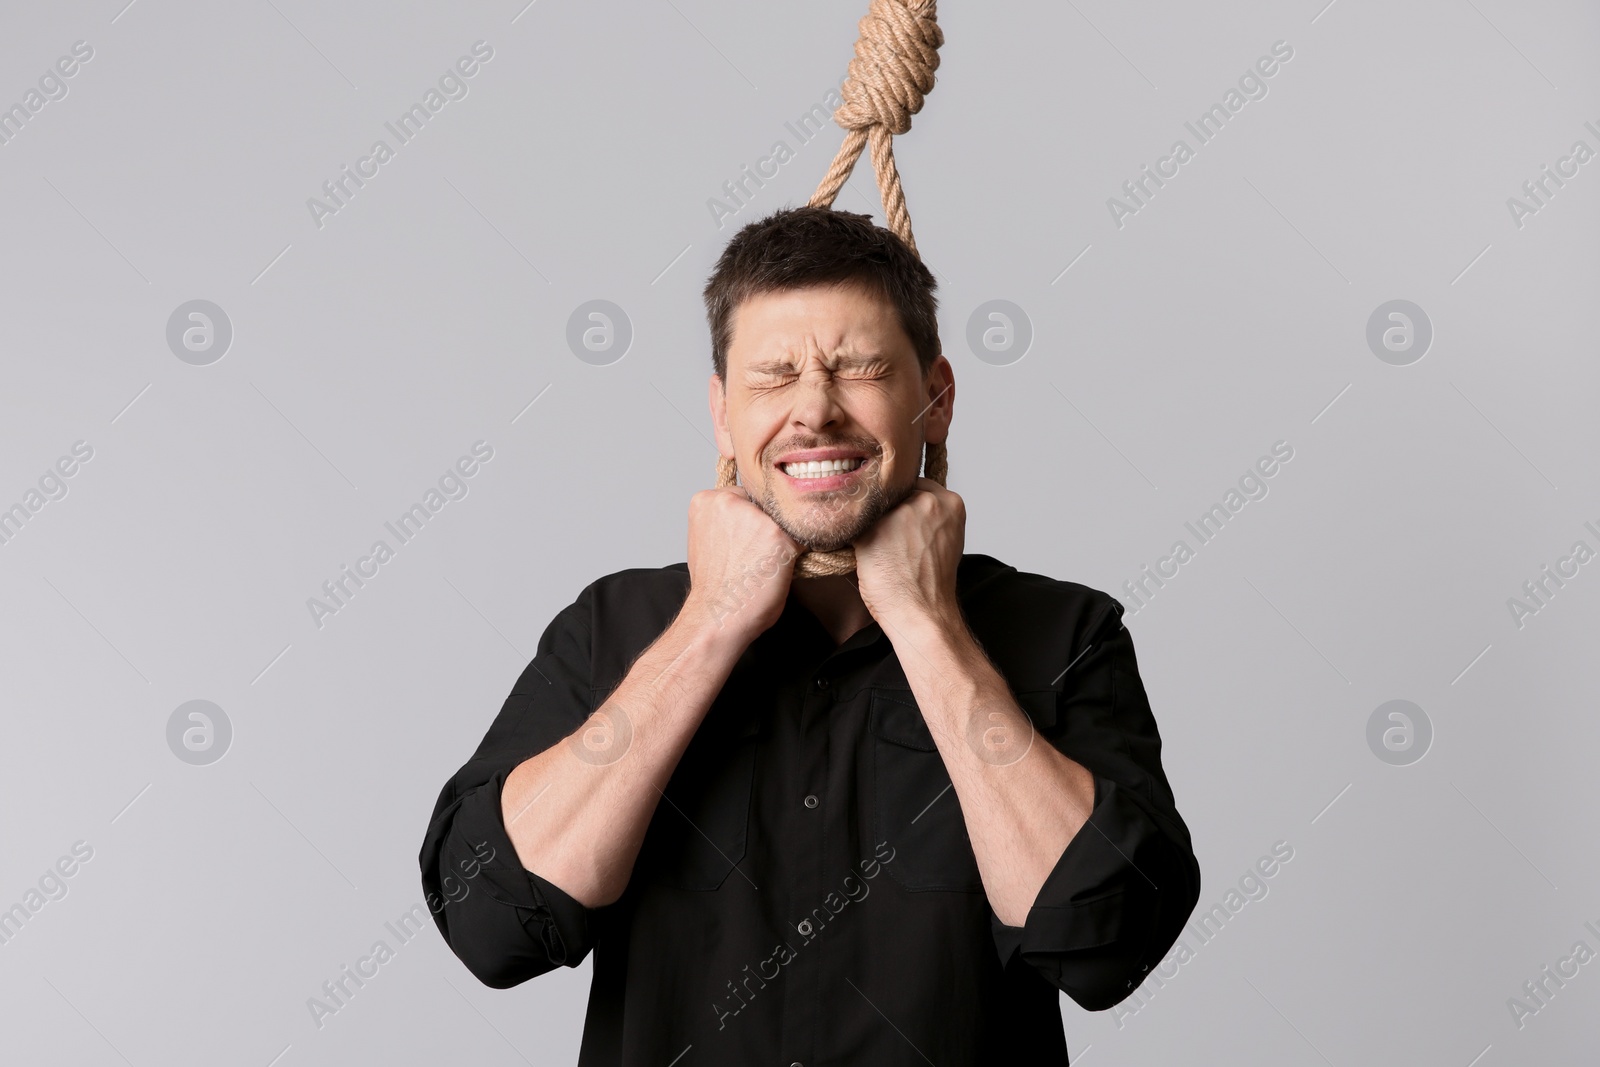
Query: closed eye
[[851, 372]]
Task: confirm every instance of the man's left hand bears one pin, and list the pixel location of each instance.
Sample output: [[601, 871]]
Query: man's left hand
[[906, 564]]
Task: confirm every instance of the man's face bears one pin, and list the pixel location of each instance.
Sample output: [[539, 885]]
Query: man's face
[[827, 374]]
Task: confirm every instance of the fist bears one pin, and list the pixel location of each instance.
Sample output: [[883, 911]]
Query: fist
[[740, 563], [906, 564]]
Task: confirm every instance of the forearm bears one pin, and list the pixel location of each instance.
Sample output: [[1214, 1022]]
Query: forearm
[[1023, 800], [577, 812]]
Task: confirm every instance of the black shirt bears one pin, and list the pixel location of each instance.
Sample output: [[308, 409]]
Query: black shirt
[[806, 892]]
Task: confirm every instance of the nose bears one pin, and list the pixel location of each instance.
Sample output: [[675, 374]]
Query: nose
[[816, 404]]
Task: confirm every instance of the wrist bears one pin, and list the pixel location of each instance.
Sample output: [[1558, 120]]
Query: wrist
[[713, 627], [922, 624]]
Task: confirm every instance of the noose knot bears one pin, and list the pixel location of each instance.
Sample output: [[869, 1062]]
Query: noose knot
[[892, 71]]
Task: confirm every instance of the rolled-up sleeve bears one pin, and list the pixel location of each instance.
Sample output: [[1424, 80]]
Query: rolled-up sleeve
[[505, 923], [1124, 886]]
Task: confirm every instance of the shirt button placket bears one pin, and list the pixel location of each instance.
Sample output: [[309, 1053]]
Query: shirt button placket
[[821, 687], [803, 992]]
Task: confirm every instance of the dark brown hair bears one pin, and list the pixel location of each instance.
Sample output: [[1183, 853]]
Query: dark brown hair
[[798, 247]]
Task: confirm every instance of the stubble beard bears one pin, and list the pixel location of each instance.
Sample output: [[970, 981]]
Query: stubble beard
[[834, 519]]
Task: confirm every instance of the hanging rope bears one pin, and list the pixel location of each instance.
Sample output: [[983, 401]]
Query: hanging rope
[[892, 72]]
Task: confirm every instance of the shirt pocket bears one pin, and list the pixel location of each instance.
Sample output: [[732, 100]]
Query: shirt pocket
[[913, 803], [701, 827], [913, 806]]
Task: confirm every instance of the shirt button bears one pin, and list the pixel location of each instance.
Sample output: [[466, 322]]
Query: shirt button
[[811, 800], [796, 1063], [822, 683]]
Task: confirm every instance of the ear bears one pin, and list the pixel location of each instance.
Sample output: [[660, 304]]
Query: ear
[[939, 393], [717, 398]]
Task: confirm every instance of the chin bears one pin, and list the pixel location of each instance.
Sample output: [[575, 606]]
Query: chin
[[817, 540], [824, 526], [824, 540], [826, 546]]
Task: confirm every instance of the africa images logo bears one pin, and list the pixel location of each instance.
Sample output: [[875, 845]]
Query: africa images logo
[[453, 485], [453, 85], [1205, 128]]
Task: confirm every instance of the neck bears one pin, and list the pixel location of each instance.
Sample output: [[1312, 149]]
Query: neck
[[836, 602]]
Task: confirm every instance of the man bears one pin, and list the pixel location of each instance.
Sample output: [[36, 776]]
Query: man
[[877, 818]]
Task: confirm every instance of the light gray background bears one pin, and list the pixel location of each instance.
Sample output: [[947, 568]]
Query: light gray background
[[369, 354]]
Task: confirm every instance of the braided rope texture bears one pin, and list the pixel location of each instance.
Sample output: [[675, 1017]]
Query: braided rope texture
[[897, 52]]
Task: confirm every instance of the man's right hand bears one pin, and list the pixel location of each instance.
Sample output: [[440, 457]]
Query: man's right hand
[[594, 804], [740, 564]]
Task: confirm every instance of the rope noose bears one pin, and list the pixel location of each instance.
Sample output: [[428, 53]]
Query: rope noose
[[896, 54]]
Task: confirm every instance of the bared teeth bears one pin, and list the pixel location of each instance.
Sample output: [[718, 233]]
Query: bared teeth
[[820, 468]]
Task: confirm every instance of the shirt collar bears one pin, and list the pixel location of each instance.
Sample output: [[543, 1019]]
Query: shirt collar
[[798, 624]]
